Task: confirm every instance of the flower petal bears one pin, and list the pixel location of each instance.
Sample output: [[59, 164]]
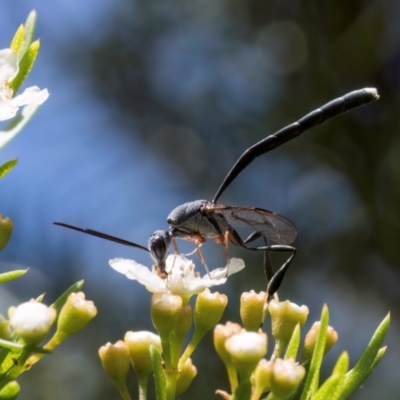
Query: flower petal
[[8, 65], [7, 110], [133, 270], [234, 265], [31, 95], [197, 285]]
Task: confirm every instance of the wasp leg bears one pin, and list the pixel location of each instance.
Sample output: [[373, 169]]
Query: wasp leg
[[268, 269]]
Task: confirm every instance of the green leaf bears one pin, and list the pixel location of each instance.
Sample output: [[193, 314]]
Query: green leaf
[[6, 229], [342, 364], [370, 358], [11, 275], [59, 303], [158, 370], [17, 124], [378, 358], [30, 27], [293, 346], [25, 65], [10, 391], [40, 298], [311, 384], [7, 167], [18, 39], [330, 386]]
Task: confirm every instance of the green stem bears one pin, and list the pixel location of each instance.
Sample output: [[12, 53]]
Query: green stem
[[232, 376], [123, 390], [243, 391], [171, 380], [143, 386], [197, 336], [278, 350]]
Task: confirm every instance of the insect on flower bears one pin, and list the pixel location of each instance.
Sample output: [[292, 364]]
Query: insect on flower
[[200, 220]]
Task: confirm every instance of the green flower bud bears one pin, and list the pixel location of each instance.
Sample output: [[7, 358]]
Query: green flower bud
[[311, 338], [246, 350], [286, 377], [138, 344], [165, 310], [115, 360], [252, 309], [5, 331], [31, 321], [284, 317], [6, 228], [208, 309], [261, 378], [186, 376], [221, 334], [75, 315]]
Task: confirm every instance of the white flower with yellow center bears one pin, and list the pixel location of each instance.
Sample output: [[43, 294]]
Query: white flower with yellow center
[[182, 280], [8, 71]]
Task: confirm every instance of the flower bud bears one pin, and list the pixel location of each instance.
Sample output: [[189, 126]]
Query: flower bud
[[221, 334], [261, 379], [311, 338], [75, 315], [115, 360], [246, 350], [10, 391], [284, 317], [286, 377], [6, 228], [5, 331], [208, 309], [31, 321], [139, 344], [252, 309], [165, 310], [186, 376]]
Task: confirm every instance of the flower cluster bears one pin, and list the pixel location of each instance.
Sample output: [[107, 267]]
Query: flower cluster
[[29, 324], [172, 317], [243, 350]]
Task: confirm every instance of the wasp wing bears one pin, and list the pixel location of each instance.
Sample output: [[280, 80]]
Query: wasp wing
[[274, 226]]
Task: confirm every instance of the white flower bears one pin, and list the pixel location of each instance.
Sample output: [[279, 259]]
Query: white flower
[[182, 280], [32, 320], [8, 71]]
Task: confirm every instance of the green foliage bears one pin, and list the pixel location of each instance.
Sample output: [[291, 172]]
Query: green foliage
[[7, 167], [159, 377], [25, 65]]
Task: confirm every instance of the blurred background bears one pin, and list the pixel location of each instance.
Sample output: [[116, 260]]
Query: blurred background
[[151, 104]]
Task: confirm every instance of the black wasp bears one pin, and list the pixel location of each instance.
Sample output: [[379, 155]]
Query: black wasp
[[200, 220]]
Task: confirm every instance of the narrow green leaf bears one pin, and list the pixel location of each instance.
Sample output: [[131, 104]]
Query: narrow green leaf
[[40, 298], [378, 358], [293, 346], [339, 371], [6, 229], [342, 364], [331, 385], [158, 370], [312, 380], [10, 391], [30, 27], [11, 275], [7, 167], [370, 357], [17, 124], [18, 39], [59, 303], [25, 65]]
